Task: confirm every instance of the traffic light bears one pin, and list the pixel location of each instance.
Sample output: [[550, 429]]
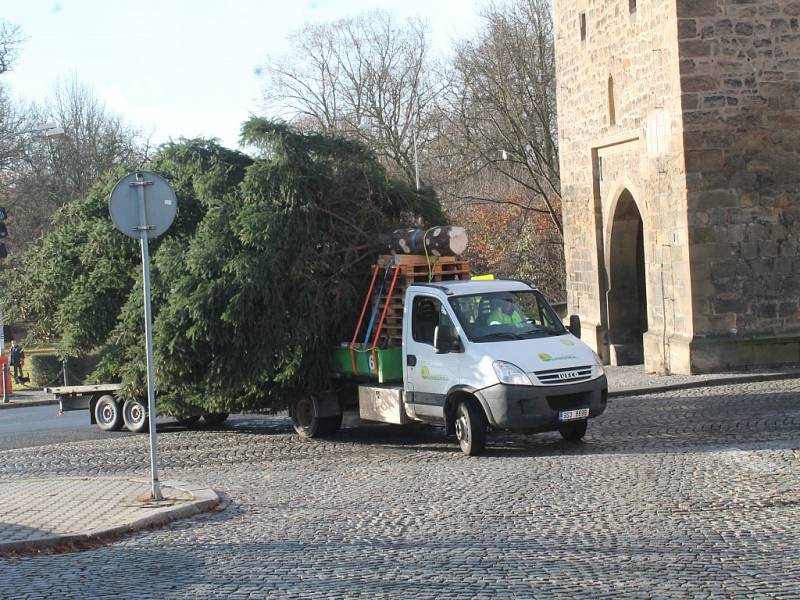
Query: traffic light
[[3, 232]]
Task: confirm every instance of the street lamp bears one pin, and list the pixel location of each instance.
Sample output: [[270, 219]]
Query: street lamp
[[50, 130]]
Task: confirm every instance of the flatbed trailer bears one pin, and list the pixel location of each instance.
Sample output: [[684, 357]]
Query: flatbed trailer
[[111, 413]]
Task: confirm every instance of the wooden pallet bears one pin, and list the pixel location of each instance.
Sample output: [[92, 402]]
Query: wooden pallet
[[385, 260], [416, 266], [414, 269]]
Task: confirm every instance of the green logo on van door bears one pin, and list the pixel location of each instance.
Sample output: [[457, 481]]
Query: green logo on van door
[[547, 358], [426, 374]]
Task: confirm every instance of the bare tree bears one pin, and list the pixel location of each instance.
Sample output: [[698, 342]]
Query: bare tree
[[12, 118], [11, 38], [502, 109], [45, 173], [367, 78]]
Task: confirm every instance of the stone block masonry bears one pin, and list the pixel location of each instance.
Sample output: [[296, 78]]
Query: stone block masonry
[[682, 119]]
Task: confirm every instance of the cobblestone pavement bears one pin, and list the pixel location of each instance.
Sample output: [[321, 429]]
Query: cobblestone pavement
[[690, 493]]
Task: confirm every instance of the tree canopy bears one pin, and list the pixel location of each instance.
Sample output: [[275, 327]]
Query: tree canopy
[[262, 273]]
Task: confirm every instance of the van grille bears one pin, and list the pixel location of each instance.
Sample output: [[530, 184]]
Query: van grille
[[562, 376]]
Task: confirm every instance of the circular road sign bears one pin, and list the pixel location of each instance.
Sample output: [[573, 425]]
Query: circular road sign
[[125, 204]]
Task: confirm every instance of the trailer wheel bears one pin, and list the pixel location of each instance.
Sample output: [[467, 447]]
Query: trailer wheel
[[470, 428], [215, 418], [573, 432], [107, 413], [134, 412]]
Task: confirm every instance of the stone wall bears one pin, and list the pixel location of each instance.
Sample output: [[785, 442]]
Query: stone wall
[[640, 151], [704, 133], [740, 77]]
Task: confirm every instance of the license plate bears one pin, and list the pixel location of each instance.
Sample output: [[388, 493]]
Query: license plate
[[572, 415]]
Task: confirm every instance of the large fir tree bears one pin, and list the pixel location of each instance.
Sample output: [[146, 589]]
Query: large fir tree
[[262, 273]]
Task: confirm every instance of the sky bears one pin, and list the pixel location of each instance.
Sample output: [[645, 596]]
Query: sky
[[183, 67]]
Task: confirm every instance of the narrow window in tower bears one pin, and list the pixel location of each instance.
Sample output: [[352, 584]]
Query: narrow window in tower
[[583, 26], [631, 6], [612, 113]]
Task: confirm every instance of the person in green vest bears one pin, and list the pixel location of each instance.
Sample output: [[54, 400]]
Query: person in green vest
[[505, 313]]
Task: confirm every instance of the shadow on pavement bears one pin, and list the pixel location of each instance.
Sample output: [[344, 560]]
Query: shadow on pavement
[[644, 424], [14, 533]]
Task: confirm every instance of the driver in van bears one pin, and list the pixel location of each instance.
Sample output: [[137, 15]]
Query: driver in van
[[504, 312]]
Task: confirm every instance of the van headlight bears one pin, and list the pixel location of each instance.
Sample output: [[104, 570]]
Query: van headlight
[[510, 374], [601, 370]]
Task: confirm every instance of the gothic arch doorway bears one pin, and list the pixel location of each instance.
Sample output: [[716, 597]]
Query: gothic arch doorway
[[627, 293]]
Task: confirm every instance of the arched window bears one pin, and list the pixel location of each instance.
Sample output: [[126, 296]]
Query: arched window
[[612, 112]]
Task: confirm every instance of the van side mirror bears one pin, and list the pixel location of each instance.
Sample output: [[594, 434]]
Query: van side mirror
[[445, 339], [575, 326]]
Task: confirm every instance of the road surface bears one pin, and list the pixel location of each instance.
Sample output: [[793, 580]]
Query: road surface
[[690, 493]]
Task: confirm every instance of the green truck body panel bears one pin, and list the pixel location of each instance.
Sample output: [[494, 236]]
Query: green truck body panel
[[384, 366]]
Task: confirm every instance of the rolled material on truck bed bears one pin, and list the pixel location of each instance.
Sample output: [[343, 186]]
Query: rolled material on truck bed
[[446, 240]]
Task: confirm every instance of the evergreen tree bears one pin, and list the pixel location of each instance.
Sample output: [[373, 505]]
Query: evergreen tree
[[262, 273]]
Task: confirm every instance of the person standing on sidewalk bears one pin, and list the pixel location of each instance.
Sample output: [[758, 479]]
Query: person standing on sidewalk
[[17, 359]]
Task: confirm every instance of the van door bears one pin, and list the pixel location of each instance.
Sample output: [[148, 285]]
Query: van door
[[428, 375]]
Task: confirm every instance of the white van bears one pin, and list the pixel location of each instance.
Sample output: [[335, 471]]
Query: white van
[[479, 355]]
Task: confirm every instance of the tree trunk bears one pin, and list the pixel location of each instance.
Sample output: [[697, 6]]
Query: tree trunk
[[438, 241]]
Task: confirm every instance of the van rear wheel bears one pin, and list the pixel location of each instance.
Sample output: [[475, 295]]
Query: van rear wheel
[[574, 431], [470, 429], [305, 420], [331, 425], [215, 418]]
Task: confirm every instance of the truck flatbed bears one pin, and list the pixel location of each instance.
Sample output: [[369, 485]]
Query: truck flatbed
[[79, 390]]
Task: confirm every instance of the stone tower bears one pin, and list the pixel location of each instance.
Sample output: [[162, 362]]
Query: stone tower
[[679, 132]]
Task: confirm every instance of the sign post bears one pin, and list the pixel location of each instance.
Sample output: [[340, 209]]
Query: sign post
[[143, 206], [3, 373]]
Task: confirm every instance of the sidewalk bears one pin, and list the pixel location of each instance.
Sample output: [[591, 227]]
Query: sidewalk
[[28, 397], [633, 381], [63, 512]]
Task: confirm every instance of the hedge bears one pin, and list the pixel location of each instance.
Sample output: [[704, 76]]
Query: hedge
[[45, 369]]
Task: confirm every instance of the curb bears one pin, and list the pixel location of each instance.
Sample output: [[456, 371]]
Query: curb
[[205, 499], [24, 404], [707, 383]]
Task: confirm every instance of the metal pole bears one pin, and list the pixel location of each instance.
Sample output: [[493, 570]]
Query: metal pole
[[416, 162], [64, 371], [2, 351], [155, 489]]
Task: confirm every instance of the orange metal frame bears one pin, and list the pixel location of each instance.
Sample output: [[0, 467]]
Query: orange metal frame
[[364, 312], [383, 314]]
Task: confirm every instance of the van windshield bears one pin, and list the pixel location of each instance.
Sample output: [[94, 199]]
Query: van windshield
[[498, 316]]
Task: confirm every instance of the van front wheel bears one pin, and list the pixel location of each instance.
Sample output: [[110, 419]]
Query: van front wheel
[[470, 429], [573, 432]]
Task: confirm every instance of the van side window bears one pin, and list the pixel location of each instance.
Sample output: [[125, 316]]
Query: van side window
[[425, 318]]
